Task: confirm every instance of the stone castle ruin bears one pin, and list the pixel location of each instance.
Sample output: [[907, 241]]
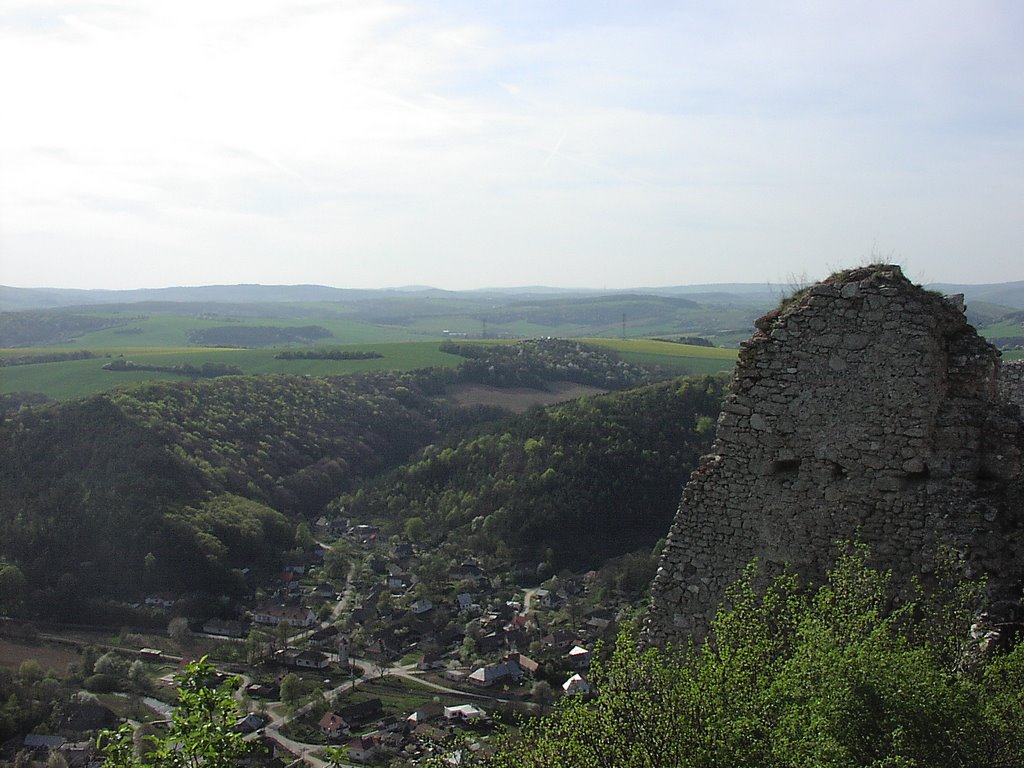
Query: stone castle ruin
[[865, 408]]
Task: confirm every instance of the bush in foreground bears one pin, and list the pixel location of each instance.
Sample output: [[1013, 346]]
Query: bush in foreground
[[848, 675]]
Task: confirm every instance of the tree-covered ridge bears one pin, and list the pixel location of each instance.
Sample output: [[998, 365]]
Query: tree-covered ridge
[[848, 675], [570, 485], [291, 441], [532, 363], [127, 491]]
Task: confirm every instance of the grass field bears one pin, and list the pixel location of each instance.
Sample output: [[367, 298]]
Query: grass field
[[680, 359], [79, 378]]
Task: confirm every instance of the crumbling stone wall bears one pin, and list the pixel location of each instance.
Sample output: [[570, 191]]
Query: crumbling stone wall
[[866, 408], [1011, 383]]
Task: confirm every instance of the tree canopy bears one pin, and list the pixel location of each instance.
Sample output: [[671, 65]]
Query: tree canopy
[[201, 732], [848, 675]]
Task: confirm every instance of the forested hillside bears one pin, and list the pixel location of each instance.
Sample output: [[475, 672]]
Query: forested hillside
[[568, 486], [180, 485], [130, 491]]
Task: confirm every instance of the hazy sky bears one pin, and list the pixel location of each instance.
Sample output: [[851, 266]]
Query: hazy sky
[[515, 142]]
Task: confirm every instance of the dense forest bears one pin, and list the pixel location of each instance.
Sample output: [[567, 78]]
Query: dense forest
[[127, 491], [569, 486]]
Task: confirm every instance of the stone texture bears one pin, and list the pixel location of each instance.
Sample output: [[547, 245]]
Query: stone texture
[[866, 408]]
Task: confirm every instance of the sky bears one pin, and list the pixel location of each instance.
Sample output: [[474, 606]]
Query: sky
[[479, 143]]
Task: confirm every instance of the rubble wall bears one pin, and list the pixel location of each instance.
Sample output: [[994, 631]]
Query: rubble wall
[[866, 408]]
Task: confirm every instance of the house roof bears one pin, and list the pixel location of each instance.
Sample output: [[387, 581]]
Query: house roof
[[466, 711], [332, 721]]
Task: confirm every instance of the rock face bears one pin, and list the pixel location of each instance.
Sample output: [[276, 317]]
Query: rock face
[[866, 408]]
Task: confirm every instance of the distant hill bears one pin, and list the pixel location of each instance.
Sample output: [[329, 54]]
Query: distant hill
[[1005, 294], [723, 313]]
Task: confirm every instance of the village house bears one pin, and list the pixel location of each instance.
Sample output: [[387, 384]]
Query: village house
[[491, 674], [361, 712], [429, 711], [579, 657], [323, 591], [463, 712], [421, 607], [398, 578], [464, 602], [333, 725], [576, 685], [226, 628], [362, 749], [249, 723], [308, 659], [526, 664], [293, 615]]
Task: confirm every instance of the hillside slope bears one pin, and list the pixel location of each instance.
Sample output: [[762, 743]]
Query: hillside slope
[[570, 485]]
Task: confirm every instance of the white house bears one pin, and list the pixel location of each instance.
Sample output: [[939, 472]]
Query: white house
[[292, 615], [464, 712], [577, 684], [579, 657]]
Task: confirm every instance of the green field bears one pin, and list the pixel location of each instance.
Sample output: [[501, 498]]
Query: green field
[[680, 359], [79, 378], [172, 331]]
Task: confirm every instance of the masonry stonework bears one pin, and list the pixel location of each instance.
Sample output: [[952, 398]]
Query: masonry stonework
[[868, 409]]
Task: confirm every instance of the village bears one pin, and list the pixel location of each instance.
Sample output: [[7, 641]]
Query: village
[[364, 651]]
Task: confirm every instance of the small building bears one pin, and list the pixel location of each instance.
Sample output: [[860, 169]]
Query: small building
[[421, 607], [357, 714], [323, 591], [362, 749], [249, 723], [491, 674], [311, 660], [333, 725], [463, 712], [226, 628], [526, 664], [429, 711], [293, 615], [579, 657], [577, 684]]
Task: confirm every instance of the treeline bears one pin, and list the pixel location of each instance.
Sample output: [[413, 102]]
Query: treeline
[[207, 370], [533, 363], [49, 357], [327, 354], [568, 486]]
